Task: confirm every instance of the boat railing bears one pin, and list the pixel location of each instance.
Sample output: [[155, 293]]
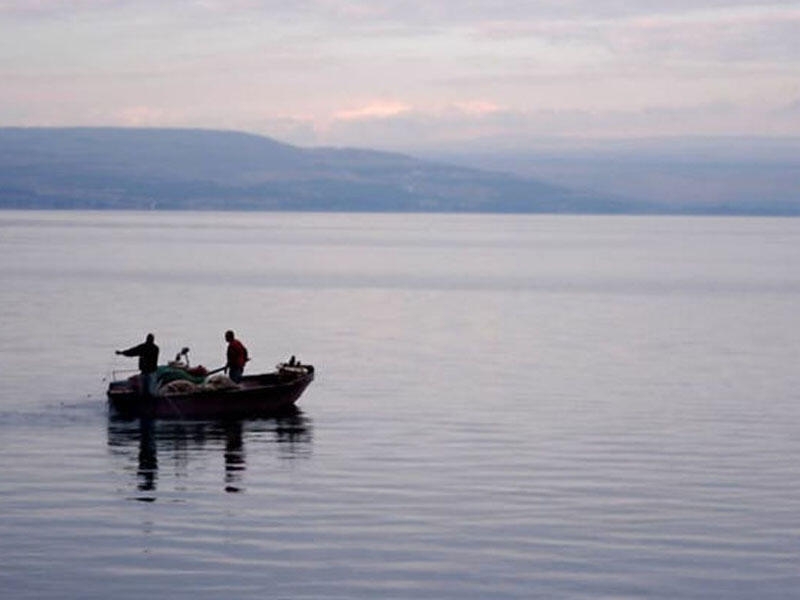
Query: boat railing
[[115, 373]]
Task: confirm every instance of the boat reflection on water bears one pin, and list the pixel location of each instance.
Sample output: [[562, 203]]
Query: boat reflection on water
[[142, 443]]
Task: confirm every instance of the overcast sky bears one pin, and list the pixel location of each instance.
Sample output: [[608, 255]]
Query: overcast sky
[[406, 74]]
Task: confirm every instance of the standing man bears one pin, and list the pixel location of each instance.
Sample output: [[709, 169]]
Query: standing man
[[148, 363], [237, 357]]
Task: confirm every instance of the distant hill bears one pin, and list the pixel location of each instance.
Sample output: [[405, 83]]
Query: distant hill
[[680, 175], [106, 168]]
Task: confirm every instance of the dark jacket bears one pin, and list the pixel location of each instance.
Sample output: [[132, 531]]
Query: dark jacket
[[148, 356]]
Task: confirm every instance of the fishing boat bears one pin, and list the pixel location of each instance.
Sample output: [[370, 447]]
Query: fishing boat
[[264, 394]]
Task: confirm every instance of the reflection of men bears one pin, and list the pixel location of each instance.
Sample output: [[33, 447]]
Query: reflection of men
[[237, 357], [148, 363]]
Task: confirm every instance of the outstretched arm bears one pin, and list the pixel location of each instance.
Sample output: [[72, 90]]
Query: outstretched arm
[[135, 351]]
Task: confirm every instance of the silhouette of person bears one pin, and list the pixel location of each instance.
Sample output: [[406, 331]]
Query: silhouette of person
[[236, 357], [148, 363]]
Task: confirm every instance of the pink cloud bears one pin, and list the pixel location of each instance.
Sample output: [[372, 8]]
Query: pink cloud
[[137, 116], [379, 109]]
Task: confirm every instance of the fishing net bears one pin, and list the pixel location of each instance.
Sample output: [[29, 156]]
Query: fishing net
[[177, 381], [165, 375], [178, 386], [220, 382]]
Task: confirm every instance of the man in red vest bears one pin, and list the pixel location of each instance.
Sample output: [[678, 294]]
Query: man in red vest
[[237, 357]]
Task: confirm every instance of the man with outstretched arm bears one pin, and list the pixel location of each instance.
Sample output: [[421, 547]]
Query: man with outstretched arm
[[148, 363]]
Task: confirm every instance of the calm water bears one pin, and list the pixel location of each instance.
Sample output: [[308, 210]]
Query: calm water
[[506, 407]]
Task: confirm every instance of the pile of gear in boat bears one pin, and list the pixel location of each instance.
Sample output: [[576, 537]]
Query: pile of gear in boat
[[178, 380], [178, 377]]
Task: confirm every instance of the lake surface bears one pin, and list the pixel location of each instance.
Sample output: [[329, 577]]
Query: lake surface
[[505, 407]]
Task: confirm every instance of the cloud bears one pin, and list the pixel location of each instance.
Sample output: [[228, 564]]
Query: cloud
[[790, 108], [419, 12], [33, 8], [141, 116], [715, 29], [396, 71], [477, 107], [700, 32], [454, 128], [379, 109]]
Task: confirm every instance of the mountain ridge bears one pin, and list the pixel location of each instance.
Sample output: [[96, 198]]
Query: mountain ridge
[[107, 168], [203, 169]]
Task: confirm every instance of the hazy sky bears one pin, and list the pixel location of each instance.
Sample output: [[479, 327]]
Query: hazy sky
[[405, 73]]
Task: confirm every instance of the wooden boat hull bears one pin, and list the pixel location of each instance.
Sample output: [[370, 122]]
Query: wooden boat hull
[[258, 395]]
